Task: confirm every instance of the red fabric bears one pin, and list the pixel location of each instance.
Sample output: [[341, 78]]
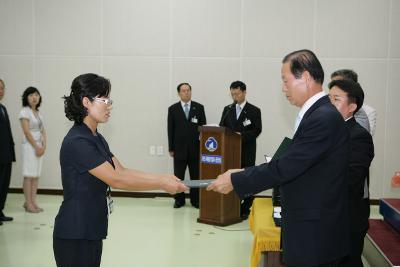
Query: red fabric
[[386, 238], [394, 202]]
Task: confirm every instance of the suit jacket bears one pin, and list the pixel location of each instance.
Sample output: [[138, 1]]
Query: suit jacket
[[312, 174], [183, 134], [7, 153], [249, 132], [362, 153]]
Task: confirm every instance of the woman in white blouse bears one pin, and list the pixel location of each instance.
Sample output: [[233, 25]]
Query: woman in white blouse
[[33, 146]]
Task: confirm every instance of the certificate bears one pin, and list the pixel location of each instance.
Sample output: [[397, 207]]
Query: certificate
[[198, 183]]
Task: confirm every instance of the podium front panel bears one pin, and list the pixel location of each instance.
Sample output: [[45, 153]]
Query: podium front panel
[[219, 151]]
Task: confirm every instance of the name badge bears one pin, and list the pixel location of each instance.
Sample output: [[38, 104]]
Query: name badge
[[194, 119], [246, 122], [110, 204]]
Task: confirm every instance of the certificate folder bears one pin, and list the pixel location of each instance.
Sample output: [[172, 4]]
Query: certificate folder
[[198, 183], [282, 148]]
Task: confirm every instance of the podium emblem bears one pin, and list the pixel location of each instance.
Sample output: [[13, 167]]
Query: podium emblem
[[211, 144]]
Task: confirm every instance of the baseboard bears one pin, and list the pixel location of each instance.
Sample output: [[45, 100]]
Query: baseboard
[[114, 193], [133, 194]]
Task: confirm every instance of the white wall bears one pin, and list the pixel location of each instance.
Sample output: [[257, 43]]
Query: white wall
[[147, 47]]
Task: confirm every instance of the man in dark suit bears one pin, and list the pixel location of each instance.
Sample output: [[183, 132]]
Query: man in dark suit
[[348, 97], [7, 155], [244, 118], [312, 173], [184, 118]]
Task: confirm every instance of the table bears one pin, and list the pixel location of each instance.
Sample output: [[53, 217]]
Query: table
[[267, 237]]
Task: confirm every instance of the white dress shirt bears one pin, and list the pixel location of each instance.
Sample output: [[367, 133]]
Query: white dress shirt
[[306, 106]]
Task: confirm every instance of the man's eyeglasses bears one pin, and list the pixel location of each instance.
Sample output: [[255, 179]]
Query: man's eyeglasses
[[107, 101]]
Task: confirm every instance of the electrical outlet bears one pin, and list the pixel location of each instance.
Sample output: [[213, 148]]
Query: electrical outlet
[[160, 150], [152, 150]]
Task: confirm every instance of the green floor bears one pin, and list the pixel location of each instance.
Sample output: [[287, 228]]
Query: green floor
[[142, 232]]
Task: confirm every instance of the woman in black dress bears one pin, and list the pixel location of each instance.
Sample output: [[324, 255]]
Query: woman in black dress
[[88, 170]]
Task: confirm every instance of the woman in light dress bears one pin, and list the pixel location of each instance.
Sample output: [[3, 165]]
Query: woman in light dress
[[33, 146]]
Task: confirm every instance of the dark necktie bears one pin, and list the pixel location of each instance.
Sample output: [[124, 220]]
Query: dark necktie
[[2, 113]]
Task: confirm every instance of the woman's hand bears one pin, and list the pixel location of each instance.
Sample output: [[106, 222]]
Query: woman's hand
[[39, 151], [172, 184]]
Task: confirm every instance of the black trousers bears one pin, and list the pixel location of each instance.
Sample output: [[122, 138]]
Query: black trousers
[[334, 263], [5, 175], [357, 246], [77, 252], [179, 171], [246, 205]]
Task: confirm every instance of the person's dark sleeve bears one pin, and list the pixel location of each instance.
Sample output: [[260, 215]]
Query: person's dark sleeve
[[362, 153], [84, 154], [171, 128], [224, 117], [251, 135], [305, 151]]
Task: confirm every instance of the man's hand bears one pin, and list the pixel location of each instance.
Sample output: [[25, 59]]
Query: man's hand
[[172, 153], [222, 184]]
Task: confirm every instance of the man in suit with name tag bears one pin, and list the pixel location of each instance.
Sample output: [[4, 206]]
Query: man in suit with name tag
[[312, 173], [244, 118], [184, 118], [7, 155]]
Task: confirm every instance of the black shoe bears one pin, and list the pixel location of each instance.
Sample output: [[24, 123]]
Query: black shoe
[[1, 223], [195, 204], [6, 219], [178, 204], [244, 216]]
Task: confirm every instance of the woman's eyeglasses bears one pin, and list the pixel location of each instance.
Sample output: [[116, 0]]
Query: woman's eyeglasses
[[107, 101]]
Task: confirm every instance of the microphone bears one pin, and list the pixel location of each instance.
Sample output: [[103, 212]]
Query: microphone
[[227, 112], [233, 104]]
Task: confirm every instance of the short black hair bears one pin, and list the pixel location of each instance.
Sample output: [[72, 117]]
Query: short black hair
[[305, 60], [28, 91], [88, 85], [345, 74], [238, 84], [179, 87], [354, 92]]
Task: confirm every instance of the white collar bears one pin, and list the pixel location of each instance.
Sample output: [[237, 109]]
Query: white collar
[[349, 118], [241, 105], [183, 104], [311, 101]]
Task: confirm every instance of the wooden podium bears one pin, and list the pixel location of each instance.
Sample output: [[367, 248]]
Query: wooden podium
[[220, 150]]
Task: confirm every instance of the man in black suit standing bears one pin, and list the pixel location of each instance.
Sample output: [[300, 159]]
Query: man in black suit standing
[[348, 97], [7, 155], [244, 118], [184, 118], [312, 173]]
